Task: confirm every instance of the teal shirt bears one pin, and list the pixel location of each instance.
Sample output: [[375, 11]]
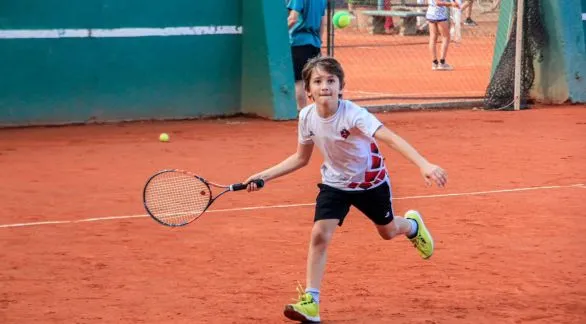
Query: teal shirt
[[307, 30]]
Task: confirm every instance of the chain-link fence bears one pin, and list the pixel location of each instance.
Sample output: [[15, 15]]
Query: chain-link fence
[[386, 52]]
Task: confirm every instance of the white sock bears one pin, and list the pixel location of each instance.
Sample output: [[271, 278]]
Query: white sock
[[314, 293], [414, 228]]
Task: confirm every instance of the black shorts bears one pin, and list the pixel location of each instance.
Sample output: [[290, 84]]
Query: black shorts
[[302, 54], [333, 203]]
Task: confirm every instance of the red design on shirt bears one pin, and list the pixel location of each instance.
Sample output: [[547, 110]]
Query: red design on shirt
[[376, 161], [373, 148], [376, 172]]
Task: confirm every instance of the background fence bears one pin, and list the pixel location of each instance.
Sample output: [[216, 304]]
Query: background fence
[[388, 66], [388, 61]]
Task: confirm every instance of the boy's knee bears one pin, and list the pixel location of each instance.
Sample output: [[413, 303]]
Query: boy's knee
[[320, 236]]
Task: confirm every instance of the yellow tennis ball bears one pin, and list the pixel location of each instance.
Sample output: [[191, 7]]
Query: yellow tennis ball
[[341, 19], [164, 137], [344, 21]]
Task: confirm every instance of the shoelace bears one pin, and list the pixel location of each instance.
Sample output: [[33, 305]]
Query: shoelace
[[303, 297]]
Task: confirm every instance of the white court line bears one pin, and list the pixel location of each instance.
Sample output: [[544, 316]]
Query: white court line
[[473, 193], [119, 32]]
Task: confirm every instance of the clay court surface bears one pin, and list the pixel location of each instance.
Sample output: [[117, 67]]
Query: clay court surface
[[509, 227]]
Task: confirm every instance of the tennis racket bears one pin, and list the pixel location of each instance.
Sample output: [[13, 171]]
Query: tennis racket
[[177, 197]]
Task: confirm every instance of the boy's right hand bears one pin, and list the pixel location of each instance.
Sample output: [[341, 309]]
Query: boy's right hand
[[251, 186]]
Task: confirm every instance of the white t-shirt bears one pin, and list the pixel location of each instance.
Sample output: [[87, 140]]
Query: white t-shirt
[[352, 160]]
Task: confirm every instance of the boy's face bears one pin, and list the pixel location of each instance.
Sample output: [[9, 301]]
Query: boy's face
[[324, 88]]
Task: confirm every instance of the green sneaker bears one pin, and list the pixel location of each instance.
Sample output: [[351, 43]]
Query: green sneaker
[[306, 310], [423, 241]]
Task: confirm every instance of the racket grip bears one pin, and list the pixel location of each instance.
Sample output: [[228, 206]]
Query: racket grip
[[241, 186]]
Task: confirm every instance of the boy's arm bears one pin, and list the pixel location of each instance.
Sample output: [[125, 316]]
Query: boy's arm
[[429, 171], [296, 161]]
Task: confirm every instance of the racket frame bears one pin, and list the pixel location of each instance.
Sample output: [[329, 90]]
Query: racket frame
[[208, 184]]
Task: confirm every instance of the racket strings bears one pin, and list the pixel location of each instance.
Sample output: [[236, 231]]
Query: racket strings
[[176, 198]]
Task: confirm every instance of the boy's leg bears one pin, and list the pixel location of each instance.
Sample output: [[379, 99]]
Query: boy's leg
[[321, 235], [422, 239], [399, 226], [307, 308], [376, 204], [332, 206], [414, 228]]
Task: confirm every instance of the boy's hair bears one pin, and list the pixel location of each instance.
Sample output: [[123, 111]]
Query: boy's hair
[[326, 63]]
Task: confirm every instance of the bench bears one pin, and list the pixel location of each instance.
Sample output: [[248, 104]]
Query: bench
[[408, 25]]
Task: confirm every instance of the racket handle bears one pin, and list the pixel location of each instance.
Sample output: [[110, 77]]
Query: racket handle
[[241, 186]]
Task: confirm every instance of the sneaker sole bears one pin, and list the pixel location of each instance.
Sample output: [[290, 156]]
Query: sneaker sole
[[294, 315], [419, 219]]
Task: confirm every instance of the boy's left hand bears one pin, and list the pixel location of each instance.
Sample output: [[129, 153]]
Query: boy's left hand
[[433, 173]]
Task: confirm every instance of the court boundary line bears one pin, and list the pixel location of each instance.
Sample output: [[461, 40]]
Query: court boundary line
[[472, 193]]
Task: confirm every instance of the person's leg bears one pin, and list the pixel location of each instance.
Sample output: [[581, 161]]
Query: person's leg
[[421, 21], [389, 25], [399, 226], [300, 56], [495, 5], [444, 31], [321, 235], [331, 208], [300, 95], [376, 204], [413, 228], [307, 308], [420, 236], [467, 10], [433, 33]]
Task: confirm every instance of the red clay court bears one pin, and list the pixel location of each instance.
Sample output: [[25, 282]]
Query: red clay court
[[509, 227]]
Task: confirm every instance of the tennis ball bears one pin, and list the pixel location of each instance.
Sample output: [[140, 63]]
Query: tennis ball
[[164, 137], [341, 19]]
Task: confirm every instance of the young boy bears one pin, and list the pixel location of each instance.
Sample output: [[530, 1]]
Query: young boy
[[353, 174]]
